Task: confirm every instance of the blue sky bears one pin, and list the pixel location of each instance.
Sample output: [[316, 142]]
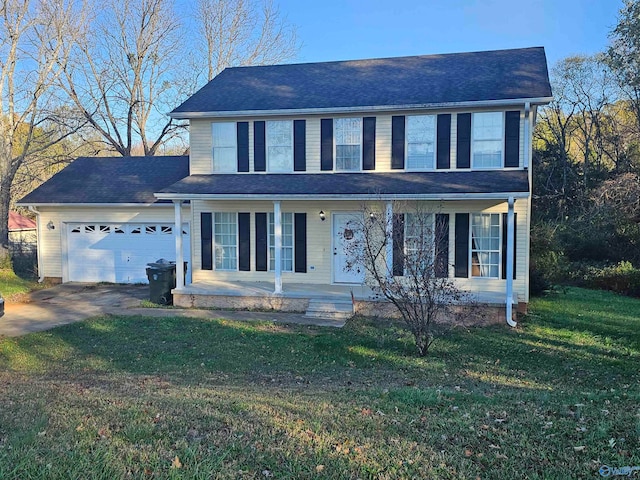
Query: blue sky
[[351, 29]]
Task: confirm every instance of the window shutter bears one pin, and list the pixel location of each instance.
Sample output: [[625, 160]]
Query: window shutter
[[463, 143], [398, 244], [326, 144], [369, 143], [299, 145], [206, 241], [259, 147], [442, 245], [397, 142], [261, 242], [243, 146], [244, 241], [462, 245], [512, 139], [443, 141], [504, 244], [300, 242]]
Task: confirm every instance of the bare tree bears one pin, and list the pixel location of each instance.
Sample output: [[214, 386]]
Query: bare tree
[[124, 74], [34, 41], [243, 32], [416, 282]]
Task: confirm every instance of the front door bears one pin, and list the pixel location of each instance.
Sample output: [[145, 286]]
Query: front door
[[344, 234]]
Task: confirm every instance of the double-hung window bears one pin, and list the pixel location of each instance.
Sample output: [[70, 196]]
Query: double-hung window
[[418, 240], [287, 242], [225, 157], [421, 142], [348, 140], [485, 245], [279, 139], [488, 139], [225, 235]]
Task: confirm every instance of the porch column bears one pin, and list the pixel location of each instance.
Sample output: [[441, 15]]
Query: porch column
[[388, 254], [277, 233], [510, 266], [177, 229]]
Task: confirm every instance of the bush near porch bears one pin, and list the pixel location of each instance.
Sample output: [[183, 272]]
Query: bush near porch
[[132, 397]]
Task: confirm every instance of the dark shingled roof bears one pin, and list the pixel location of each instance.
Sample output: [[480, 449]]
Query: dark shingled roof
[[347, 184], [110, 180], [420, 80]]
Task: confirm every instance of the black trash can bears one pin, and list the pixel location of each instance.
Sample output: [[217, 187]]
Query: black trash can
[[162, 279]]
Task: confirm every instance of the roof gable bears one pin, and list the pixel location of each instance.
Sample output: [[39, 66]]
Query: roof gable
[[394, 82], [18, 222]]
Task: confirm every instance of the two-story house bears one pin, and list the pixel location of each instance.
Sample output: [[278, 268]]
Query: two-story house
[[281, 157]]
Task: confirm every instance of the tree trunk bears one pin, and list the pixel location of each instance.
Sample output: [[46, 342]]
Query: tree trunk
[[5, 199]]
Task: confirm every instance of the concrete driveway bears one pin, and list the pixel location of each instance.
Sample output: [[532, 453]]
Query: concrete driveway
[[74, 302]]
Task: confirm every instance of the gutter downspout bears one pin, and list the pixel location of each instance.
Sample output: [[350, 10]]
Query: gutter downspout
[[40, 272], [509, 253]]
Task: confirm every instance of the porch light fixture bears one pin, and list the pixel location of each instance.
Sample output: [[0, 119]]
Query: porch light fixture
[[372, 216], [323, 217], [50, 225]]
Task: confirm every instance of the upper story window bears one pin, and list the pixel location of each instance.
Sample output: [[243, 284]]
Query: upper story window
[[279, 138], [488, 139], [348, 141], [225, 159], [421, 142], [485, 245]]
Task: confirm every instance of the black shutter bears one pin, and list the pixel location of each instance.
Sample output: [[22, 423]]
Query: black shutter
[[512, 139], [462, 245], [206, 244], [243, 146], [504, 244], [398, 244], [397, 142], [369, 143], [442, 245], [299, 145], [463, 142], [259, 147], [261, 242], [326, 144], [300, 242], [444, 141], [244, 241]]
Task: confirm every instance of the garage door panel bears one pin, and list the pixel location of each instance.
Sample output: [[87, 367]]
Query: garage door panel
[[118, 252]]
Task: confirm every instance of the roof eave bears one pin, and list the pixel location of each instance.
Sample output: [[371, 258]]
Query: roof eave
[[368, 108], [354, 197], [85, 205]]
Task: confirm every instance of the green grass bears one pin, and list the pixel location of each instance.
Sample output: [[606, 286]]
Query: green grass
[[12, 286], [119, 397]]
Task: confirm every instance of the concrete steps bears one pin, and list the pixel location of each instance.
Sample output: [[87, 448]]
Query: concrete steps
[[327, 308]]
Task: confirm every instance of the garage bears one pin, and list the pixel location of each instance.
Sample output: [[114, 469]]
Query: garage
[[119, 252]]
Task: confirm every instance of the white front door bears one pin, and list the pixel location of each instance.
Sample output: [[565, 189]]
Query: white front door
[[345, 231]]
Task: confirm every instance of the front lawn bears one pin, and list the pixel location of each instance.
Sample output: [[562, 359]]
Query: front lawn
[[12, 286], [127, 397]]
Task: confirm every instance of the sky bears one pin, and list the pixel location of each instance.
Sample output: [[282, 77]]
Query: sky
[[355, 29]]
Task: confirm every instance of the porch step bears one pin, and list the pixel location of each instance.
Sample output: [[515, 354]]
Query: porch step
[[335, 309]]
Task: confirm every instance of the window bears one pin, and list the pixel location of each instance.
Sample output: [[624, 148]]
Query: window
[[279, 139], [225, 159], [418, 236], [488, 139], [225, 231], [421, 142], [287, 242], [348, 139], [485, 245]]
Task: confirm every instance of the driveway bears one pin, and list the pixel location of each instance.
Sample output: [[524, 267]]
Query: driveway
[[74, 302]]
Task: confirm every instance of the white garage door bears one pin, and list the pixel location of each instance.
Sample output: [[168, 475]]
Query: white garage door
[[119, 253]]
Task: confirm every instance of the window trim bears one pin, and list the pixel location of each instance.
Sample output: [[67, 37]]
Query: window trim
[[335, 145], [471, 249], [435, 143], [502, 140], [266, 146], [293, 242], [214, 243], [234, 169]]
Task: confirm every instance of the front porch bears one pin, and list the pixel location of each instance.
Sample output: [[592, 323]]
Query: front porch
[[315, 300]]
